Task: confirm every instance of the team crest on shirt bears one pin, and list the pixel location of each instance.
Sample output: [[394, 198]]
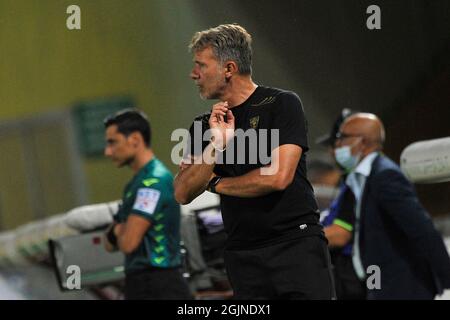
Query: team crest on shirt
[[254, 122]]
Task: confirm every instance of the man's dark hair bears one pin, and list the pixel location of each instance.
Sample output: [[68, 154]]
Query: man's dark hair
[[129, 121]]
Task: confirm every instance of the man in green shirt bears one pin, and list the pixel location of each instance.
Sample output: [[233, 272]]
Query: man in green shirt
[[147, 226]]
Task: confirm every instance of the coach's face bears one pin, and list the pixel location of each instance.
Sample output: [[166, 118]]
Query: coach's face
[[119, 148], [208, 74]]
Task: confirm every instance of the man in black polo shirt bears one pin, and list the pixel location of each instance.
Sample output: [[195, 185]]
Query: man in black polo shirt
[[250, 149]]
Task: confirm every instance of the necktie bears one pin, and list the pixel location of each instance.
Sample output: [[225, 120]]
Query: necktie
[[357, 187]]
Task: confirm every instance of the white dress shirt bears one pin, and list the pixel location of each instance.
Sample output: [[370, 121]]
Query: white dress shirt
[[356, 181]]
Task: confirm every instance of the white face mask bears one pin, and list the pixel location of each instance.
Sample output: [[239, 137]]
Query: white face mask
[[345, 158]]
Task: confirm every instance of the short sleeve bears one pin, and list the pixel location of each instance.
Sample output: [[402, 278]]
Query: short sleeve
[[289, 118], [346, 211], [120, 216]]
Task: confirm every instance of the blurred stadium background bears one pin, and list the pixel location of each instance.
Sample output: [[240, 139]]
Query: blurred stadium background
[[56, 85]]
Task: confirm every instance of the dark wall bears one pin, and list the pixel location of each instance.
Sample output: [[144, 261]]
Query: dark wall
[[424, 114]]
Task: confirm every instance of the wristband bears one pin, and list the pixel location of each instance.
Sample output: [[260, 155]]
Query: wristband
[[213, 183], [111, 236]]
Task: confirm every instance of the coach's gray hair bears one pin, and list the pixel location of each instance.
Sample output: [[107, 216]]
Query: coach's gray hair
[[228, 42]]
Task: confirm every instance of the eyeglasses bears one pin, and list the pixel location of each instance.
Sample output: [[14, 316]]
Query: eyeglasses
[[342, 136]]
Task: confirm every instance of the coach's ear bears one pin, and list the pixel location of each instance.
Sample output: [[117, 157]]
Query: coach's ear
[[230, 69]]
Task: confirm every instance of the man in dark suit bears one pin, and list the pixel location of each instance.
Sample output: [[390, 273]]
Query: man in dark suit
[[393, 233]]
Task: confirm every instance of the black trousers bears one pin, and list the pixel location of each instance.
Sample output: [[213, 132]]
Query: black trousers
[[156, 284], [291, 270], [348, 286]]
